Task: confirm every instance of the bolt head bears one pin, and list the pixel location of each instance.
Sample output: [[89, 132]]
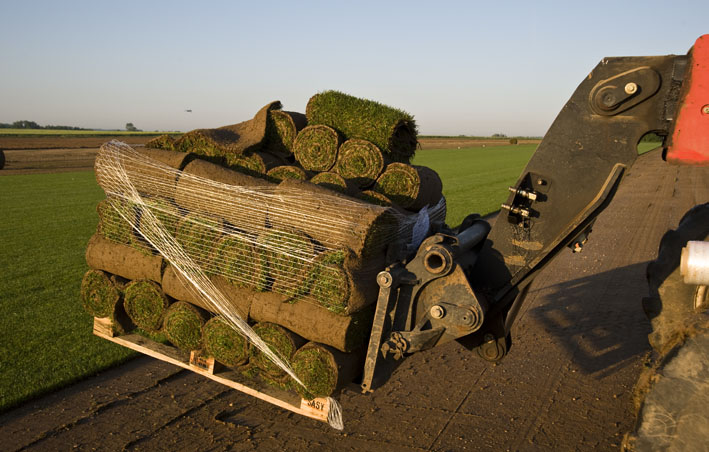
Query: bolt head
[[705, 109], [437, 312], [631, 88], [384, 279]]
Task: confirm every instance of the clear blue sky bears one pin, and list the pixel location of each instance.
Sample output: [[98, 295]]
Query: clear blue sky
[[473, 68]]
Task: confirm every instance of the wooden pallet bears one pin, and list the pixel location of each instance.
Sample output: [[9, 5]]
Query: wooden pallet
[[316, 409]]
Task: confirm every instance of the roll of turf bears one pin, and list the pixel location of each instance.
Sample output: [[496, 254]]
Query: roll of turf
[[282, 341], [374, 197], [333, 181], [102, 296], [201, 183], [343, 284], [239, 298], [282, 128], [145, 304], [313, 322], [122, 260], [332, 219], [112, 225], [164, 210], [244, 137], [182, 325], [281, 173], [323, 369], [153, 173], [224, 343], [256, 164], [315, 147], [393, 131], [99, 295], [161, 142], [411, 187], [360, 162], [289, 254], [239, 259], [197, 235]]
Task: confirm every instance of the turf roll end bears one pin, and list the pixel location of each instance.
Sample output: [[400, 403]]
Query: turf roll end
[[323, 370], [360, 162], [145, 304], [315, 147], [182, 325], [411, 187], [282, 128], [282, 341], [333, 181], [284, 172], [224, 343]]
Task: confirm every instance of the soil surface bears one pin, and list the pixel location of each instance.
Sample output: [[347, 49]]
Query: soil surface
[[462, 142], [67, 142], [578, 346]]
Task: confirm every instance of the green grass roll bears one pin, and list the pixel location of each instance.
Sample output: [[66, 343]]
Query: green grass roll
[[112, 225], [197, 235], [322, 369], [225, 344], [374, 197], [343, 284], [411, 187], [282, 341], [244, 137], [393, 131], [182, 325], [289, 254], [99, 295], [145, 304], [282, 128], [281, 173], [256, 164], [102, 296], [333, 181], [360, 162], [161, 142], [238, 258], [315, 147]]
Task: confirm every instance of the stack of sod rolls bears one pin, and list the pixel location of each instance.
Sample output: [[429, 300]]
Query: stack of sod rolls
[[355, 146], [291, 233]]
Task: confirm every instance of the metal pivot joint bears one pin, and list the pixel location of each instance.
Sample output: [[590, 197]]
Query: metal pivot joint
[[427, 302]]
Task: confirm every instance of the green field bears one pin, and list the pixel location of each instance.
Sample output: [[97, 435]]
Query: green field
[[86, 133], [45, 336], [475, 180]]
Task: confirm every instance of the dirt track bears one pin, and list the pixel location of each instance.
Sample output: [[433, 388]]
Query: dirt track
[[567, 384]]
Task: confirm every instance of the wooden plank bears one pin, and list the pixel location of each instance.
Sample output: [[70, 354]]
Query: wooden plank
[[316, 409]]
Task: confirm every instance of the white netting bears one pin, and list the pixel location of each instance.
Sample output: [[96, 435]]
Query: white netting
[[305, 244]]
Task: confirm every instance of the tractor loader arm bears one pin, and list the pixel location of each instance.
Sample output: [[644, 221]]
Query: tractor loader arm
[[468, 284]]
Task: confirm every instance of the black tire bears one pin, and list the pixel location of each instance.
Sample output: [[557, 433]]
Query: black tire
[[2, 159], [672, 394]]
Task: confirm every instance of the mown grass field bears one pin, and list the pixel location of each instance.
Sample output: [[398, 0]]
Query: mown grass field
[[475, 180], [45, 336], [47, 219]]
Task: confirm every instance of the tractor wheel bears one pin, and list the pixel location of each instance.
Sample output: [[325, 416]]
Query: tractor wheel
[[672, 394]]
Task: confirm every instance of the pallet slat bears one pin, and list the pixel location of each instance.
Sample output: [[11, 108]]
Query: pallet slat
[[316, 409]]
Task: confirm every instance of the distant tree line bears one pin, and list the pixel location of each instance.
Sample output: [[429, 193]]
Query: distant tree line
[[25, 124]]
